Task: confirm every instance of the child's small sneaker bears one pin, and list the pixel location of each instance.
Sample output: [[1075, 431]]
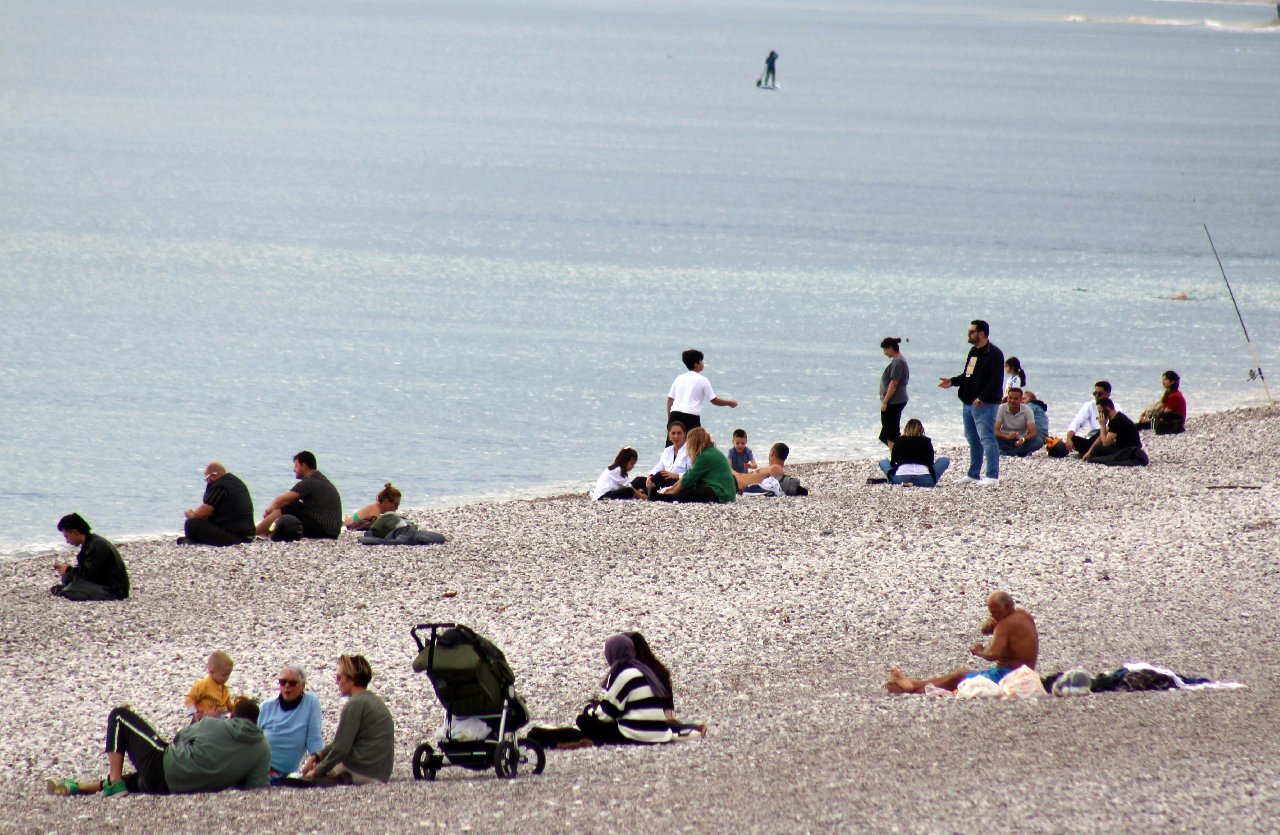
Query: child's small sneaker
[[62, 788], [116, 789]]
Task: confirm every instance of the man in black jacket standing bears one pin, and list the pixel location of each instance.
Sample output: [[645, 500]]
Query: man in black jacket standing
[[980, 390]]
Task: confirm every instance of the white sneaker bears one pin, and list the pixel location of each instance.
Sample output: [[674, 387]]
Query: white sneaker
[[988, 482], [968, 479]]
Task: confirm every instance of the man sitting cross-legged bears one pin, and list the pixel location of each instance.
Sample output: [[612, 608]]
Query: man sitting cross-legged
[[1014, 642]]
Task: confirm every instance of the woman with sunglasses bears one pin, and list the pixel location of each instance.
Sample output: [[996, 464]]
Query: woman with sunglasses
[[291, 722]]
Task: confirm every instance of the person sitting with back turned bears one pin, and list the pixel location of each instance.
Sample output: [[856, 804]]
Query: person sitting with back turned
[[911, 460], [226, 515], [313, 500], [99, 572], [1016, 431], [387, 501], [1168, 415], [1014, 643], [1118, 443]]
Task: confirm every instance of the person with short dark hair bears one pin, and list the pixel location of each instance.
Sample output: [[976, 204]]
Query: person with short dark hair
[[1118, 443], [1016, 430], [206, 756], [1168, 415], [766, 479], [1083, 429], [314, 501], [364, 745], [99, 572], [893, 391], [979, 388], [690, 391], [770, 78], [741, 458], [225, 516]]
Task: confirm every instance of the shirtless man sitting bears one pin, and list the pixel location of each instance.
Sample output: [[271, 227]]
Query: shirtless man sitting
[[776, 469], [1014, 642]]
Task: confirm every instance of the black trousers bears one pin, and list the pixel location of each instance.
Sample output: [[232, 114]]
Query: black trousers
[[1082, 444], [620, 493], [688, 495], [129, 734], [687, 419], [204, 532], [659, 481], [891, 422]]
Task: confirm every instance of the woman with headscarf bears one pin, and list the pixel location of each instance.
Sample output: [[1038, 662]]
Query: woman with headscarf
[[632, 709]]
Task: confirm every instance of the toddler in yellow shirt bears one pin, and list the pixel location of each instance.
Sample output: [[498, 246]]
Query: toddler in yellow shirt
[[210, 696]]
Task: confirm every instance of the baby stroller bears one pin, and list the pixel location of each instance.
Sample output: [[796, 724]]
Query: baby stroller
[[472, 679]]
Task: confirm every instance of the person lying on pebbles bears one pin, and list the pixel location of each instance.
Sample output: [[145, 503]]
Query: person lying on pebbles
[[1014, 643], [204, 757]]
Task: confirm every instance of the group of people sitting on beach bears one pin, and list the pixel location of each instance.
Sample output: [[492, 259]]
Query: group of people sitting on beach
[[1002, 417], [691, 468], [234, 742], [310, 509]]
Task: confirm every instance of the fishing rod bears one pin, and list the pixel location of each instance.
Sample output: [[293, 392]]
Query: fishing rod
[[1257, 368]]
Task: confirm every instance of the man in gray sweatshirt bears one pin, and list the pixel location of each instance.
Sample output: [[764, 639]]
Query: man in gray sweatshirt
[[208, 756]]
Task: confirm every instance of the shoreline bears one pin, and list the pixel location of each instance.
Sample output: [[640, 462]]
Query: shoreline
[[779, 619]]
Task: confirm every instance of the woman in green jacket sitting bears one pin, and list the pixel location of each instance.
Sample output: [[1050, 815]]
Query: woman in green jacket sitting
[[709, 477]]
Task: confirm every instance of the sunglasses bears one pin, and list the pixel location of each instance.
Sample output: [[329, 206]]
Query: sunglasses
[[288, 682]]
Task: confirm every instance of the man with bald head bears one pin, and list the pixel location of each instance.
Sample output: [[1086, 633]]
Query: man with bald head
[[1014, 643], [226, 516]]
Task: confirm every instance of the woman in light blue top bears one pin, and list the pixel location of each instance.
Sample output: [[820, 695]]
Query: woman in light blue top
[[291, 722]]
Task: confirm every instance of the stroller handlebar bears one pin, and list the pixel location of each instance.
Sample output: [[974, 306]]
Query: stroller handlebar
[[434, 627]]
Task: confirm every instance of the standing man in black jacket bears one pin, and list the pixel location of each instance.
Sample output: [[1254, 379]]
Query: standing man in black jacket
[[980, 388]]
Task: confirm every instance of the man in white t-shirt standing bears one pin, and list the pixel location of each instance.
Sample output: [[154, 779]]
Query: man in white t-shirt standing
[[690, 391]]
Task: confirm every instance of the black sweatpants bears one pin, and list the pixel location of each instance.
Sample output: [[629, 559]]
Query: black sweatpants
[[129, 734], [689, 494], [204, 532]]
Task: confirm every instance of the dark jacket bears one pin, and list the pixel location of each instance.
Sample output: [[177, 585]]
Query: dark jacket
[[99, 562], [912, 449], [983, 376]]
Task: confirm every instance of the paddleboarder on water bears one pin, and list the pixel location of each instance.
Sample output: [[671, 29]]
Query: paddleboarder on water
[[769, 80]]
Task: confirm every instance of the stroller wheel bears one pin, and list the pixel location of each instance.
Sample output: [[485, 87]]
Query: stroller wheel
[[532, 752], [425, 764], [506, 759]]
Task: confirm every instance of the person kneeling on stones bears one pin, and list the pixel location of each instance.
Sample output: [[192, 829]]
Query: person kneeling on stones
[[1014, 643], [204, 757]]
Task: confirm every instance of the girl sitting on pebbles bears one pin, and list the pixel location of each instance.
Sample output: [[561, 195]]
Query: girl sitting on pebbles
[[613, 482]]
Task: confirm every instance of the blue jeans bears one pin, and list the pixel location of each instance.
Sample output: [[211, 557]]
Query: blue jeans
[[1028, 447], [980, 432], [940, 465]]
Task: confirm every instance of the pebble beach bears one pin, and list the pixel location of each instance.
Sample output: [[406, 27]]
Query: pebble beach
[[779, 619]]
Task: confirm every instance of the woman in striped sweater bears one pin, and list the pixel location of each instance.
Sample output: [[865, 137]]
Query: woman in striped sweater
[[633, 708]]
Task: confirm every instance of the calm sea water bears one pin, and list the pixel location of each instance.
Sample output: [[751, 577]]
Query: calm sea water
[[461, 246]]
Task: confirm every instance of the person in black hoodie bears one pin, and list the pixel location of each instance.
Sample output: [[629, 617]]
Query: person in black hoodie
[[980, 387], [911, 461]]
